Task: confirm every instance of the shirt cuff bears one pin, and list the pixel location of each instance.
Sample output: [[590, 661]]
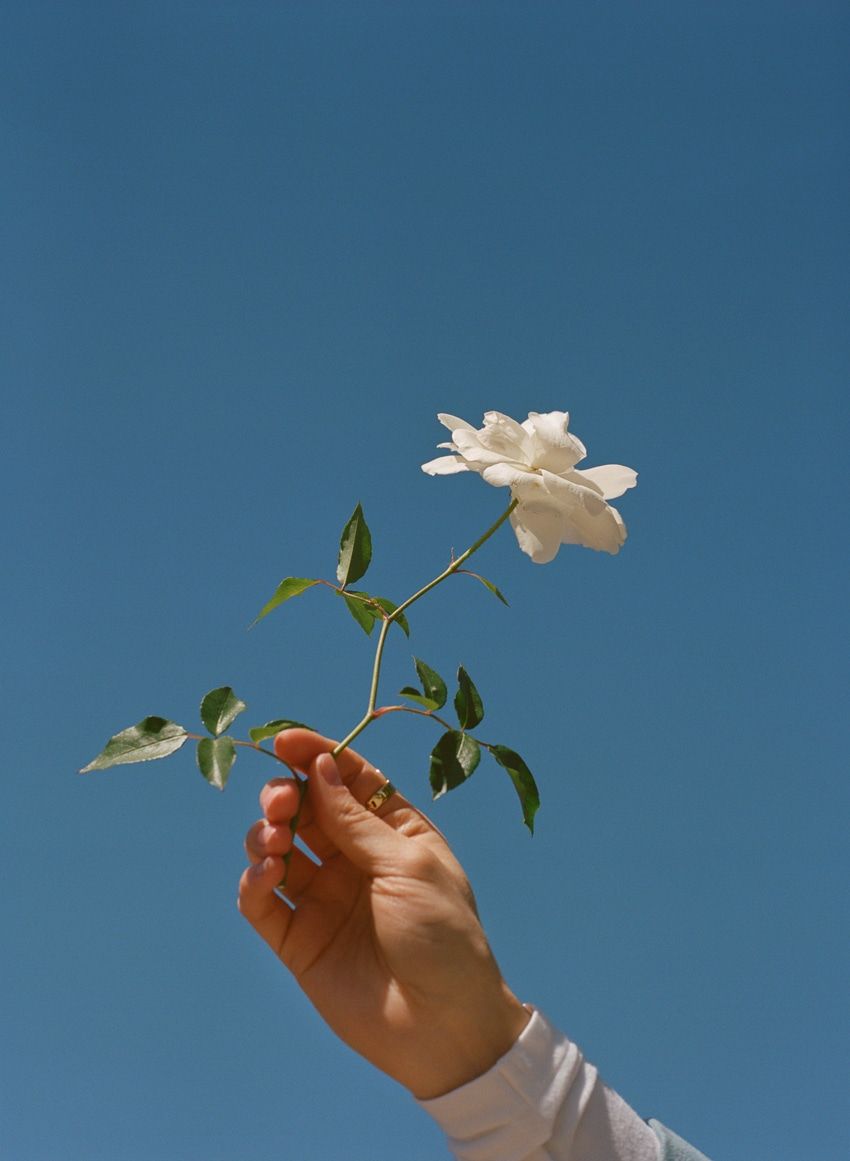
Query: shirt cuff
[[511, 1110]]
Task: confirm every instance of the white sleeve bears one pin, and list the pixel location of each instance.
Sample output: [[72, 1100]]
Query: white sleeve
[[541, 1102]]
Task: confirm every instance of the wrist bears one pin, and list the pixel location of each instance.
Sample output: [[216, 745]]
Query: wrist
[[468, 1043]]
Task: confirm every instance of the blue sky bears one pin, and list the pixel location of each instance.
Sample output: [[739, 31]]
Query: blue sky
[[250, 250]]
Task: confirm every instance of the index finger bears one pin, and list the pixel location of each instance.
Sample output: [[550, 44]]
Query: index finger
[[299, 748]]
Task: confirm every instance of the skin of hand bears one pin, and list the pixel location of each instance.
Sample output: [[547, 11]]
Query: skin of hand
[[383, 936]]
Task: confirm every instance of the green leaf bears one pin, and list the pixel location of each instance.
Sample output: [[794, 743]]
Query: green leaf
[[150, 738], [292, 586], [219, 709], [260, 733], [390, 608], [364, 614], [215, 759], [453, 760], [468, 703], [522, 779], [487, 585], [416, 695], [433, 685], [367, 610], [355, 549]]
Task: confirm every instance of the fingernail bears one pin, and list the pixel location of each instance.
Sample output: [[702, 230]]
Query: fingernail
[[326, 767]]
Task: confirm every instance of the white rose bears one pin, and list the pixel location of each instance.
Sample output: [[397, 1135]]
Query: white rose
[[536, 459]]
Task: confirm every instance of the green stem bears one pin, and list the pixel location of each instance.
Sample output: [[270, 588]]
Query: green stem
[[293, 827], [369, 715], [409, 709], [422, 713]]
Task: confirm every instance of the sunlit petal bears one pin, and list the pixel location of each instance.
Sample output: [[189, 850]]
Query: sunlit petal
[[612, 479], [504, 435], [505, 475], [469, 445], [453, 423], [551, 445], [538, 532], [444, 466], [569, 492]]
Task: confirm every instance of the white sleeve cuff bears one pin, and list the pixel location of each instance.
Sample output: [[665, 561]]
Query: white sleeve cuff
[[542, 1100]]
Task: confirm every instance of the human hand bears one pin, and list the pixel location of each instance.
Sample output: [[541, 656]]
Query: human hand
[[383, 936]]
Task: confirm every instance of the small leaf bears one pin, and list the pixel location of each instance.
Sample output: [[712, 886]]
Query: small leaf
[[433, 685], [468, 703], [522, 779], [366, 610], [150, 738], [215, 759], [488, 585], [260, 733], [355, 549], [292, 586], [220, 708], [453, 760], [390, 608], [415, 695], [365, 615]]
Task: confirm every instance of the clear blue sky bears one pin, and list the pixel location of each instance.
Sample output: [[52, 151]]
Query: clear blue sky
[[249, 250]]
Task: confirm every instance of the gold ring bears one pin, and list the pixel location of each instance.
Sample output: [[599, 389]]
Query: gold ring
[[380, 796]]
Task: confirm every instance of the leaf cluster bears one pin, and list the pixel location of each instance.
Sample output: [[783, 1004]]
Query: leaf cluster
[[454, 758], [457, 754]]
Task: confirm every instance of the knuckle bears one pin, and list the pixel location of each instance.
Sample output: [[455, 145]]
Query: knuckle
[[421, 863]]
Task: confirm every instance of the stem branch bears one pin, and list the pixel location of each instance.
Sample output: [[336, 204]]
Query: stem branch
[[370, 715]]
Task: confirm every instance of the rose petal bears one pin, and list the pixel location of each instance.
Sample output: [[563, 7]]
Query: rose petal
[[611, 479], [602, 530], [567, 491], [505, 475], [444, 466], [538, 532], [585, 517], [551, 445], [469, 445], [452, 422], [503, 435], [605, 532]]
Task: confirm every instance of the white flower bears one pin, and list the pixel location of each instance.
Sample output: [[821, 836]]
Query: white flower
[[536, 459]]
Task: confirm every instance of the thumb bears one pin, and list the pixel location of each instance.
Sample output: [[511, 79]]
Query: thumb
[[367, 841]]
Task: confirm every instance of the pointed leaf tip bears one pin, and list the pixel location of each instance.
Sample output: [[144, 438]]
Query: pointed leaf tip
[[433, 686], [355, 549], [488, 585], [523, 781], [291, 586], [219, 708], [150, 738], [468, 704]]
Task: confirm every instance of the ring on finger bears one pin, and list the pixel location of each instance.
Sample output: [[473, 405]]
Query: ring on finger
[[381, 795]]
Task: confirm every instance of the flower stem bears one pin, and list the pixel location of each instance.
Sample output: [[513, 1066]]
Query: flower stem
[[409, 709], [370, 715]]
